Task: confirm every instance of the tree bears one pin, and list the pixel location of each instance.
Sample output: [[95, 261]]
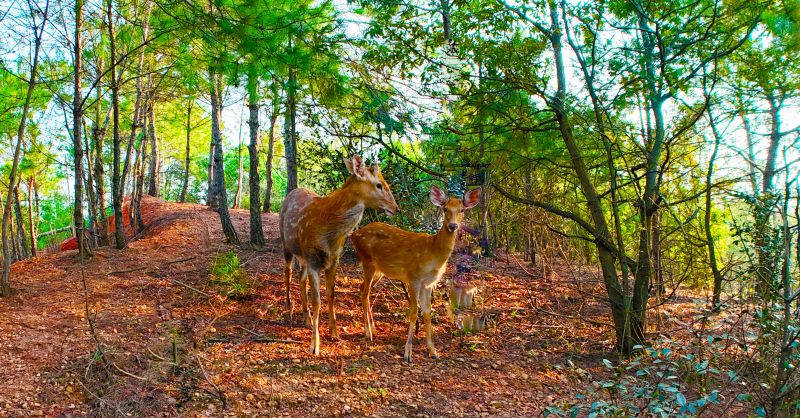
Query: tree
[[256, 230], [218, 200]]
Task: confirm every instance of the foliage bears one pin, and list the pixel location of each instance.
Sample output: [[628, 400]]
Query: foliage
[[229, 277]]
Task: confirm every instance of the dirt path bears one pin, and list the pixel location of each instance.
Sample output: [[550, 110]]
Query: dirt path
[[171, 350]]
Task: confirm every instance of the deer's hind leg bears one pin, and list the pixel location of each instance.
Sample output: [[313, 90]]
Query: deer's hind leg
[[304, 293], [330, 288], [287, 273], [425, 296], [366, 287]]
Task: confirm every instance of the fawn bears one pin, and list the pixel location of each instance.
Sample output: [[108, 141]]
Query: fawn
[[313, 230], [416, 259]]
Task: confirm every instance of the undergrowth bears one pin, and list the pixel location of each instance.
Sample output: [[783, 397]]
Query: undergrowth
[[230, 278]]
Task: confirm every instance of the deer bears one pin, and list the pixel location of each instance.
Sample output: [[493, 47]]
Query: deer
[[313, 230], [418, 260]]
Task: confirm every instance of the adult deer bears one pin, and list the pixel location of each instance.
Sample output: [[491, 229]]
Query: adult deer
[[416, 259], [314, 228]]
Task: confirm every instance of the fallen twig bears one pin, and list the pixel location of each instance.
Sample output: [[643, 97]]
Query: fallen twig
[[261, 338], [274, 340], [176, 281], [116, 272], [220, 394], [127, 373]]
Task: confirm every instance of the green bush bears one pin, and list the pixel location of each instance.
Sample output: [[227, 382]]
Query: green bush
[[230, 278]]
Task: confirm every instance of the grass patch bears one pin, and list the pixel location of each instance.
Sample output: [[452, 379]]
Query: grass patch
[[231, 279]]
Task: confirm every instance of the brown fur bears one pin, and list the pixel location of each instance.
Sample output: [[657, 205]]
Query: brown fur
[[313, 230], [416, 259]]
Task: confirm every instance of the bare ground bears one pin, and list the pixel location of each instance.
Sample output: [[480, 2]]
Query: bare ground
[[168, 344]]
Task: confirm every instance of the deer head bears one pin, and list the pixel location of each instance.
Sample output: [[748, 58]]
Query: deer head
[[367, 184], [454, 207]]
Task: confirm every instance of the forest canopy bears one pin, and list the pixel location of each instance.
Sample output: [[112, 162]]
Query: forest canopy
[[655, 141]]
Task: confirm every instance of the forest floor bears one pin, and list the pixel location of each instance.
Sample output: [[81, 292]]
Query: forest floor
[[172, 345]]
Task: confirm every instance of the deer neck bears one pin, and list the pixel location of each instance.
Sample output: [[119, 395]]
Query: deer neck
[[344, 210], [444, 241]]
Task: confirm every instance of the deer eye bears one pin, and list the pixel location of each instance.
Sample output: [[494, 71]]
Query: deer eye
[[379, 186]]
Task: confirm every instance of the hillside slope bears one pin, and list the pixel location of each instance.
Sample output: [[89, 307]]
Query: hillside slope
[[174, 346]]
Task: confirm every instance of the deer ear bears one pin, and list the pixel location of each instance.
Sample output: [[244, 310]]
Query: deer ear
[[355, 166], [438, 197], [375, 168], [349, 164], [471, 198]]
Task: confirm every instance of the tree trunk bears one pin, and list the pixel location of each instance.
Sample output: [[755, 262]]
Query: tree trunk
[[256, 231], [91, 198], [289, 136], [155, 166], [187, 161], [219, 174], [22, 238], [712, 254], [138, 112], [211, 194], [117, 176], [99, 134], [767, 267], [620, 305], [138, 188], [237, 198], [32, 218], [77, 134], [648, 204], [270, 152]]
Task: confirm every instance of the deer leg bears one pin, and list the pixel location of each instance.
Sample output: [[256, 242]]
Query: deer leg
[[304, 293], [287, 272], [330, 287], [314, 276], [425, 303], [412, 318], [366, 287], [408, 297], [377, 276]]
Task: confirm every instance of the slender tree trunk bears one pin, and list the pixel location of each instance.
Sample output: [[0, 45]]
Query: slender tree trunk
[[138, 108], [256, 231], [270, 152], [212, 184], [91, 198], [237, 198], [618, 298], [219, 174], [138, 190], [117, 175], [22, 237], [775, 104], [289, 136], [155, 166], [14, 240], [187, 161], [648, 205], [77, 134], [712, 254], [32, 218], [99, 134], [767, 268]]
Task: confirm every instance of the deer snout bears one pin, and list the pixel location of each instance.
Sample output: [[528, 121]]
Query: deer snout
[[392, 209], [452, 227]]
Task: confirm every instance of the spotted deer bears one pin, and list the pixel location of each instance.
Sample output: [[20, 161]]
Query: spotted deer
[[313, 230], [416, 259]]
